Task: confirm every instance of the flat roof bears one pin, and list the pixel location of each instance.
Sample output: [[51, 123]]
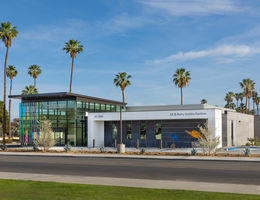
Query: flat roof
[[63, 95], [174, 107]]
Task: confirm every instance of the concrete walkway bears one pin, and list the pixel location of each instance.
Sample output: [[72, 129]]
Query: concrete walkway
[[142, 183], [252, 159]]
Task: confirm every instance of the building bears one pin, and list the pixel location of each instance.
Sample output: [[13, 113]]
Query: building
[[67, 113], [79, 120]]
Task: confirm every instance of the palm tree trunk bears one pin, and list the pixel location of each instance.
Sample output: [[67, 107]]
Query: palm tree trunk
[[249, 105], [4, 107], [71, 74], [121, 120], [257, 105], [10, 101], [34, 82], [246, 105], [253, 107], [181, 97]]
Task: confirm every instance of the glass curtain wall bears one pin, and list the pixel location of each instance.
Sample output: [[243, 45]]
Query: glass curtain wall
[[67, 116]]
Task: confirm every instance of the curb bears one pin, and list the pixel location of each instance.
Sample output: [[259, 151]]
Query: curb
[[199, 158]]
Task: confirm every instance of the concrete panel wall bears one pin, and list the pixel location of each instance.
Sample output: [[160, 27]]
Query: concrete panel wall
[[236, 128], [257, 126]]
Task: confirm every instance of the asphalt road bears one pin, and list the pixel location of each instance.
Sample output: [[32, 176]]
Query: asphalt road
[[185, 170]]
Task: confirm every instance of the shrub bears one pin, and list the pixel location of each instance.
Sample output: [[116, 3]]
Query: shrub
[[67, 148], [193, 152], [46, 139], [35, 146], [207, 141], [253, 141], [248, 144], [8, 141], [102, 150], [4, 147], [247, 152], [142, 151]]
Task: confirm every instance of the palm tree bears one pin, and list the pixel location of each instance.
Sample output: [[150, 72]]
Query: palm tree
[[7, 34], [248, 86], [11, 72], [181, 78], [257, 102], [122, 80], [229, 99], [241, 97], [73, 47], [203, 101], [254, 97], [34, 71], [237, 97], [29, 90]]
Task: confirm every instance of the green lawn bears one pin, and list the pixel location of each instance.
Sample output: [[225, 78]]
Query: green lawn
[[12, 189]]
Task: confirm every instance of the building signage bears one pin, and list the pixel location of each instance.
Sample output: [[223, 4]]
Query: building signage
[[188, 113]]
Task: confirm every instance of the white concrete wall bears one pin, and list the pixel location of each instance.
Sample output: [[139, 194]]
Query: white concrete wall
[[243, 128], [96, 120]]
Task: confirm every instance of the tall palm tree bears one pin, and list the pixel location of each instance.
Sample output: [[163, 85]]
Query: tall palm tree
[[29, 90], [7, 34], [241, 97], [248, 86], [254, 97], [34, 71], [229, 98], [203, 101], [122, 80], [237, 97], [181, 78], [257, 102], [11, 72], [73, 47]]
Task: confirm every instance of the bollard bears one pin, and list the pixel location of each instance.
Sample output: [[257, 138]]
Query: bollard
[[94, 143], [115, 143], [137, 143], [160, 143]]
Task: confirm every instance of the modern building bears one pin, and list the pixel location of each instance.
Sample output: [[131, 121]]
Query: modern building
[[79, 120]]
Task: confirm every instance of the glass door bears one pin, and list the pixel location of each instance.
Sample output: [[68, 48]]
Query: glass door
[[59, 138]]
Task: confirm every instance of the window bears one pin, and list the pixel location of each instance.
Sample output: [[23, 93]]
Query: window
[[143, 131], [129, 131], [117, 108], [113, 108], [158, 131], [114, 131], [103, 107], [97, 107], [91, 107], [108, 107]]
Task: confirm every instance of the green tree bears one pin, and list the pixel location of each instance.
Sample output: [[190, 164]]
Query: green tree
[[237, 97], [11, 72], [34, 71], [181, 78], [248, 87], [7, 34], [29, 90], [203, 101], [257, 102], [1, 117], [254, 97], [73, 47], [122, 80], [229, 98]]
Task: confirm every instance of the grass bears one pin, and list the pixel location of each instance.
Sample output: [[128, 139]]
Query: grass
[[21, 190]]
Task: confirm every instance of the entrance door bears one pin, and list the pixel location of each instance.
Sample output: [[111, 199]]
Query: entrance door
[[60, 137]]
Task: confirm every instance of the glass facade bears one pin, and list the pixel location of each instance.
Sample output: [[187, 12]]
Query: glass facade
[[67, 118]]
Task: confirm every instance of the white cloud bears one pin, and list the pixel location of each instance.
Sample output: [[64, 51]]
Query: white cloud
[[224, 51], [194, 7]]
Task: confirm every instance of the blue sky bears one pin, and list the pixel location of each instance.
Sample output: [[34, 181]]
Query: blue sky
[[218, 41]]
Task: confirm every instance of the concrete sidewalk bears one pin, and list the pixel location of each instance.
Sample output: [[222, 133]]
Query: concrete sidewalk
[[142, 183], [93, 155]]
